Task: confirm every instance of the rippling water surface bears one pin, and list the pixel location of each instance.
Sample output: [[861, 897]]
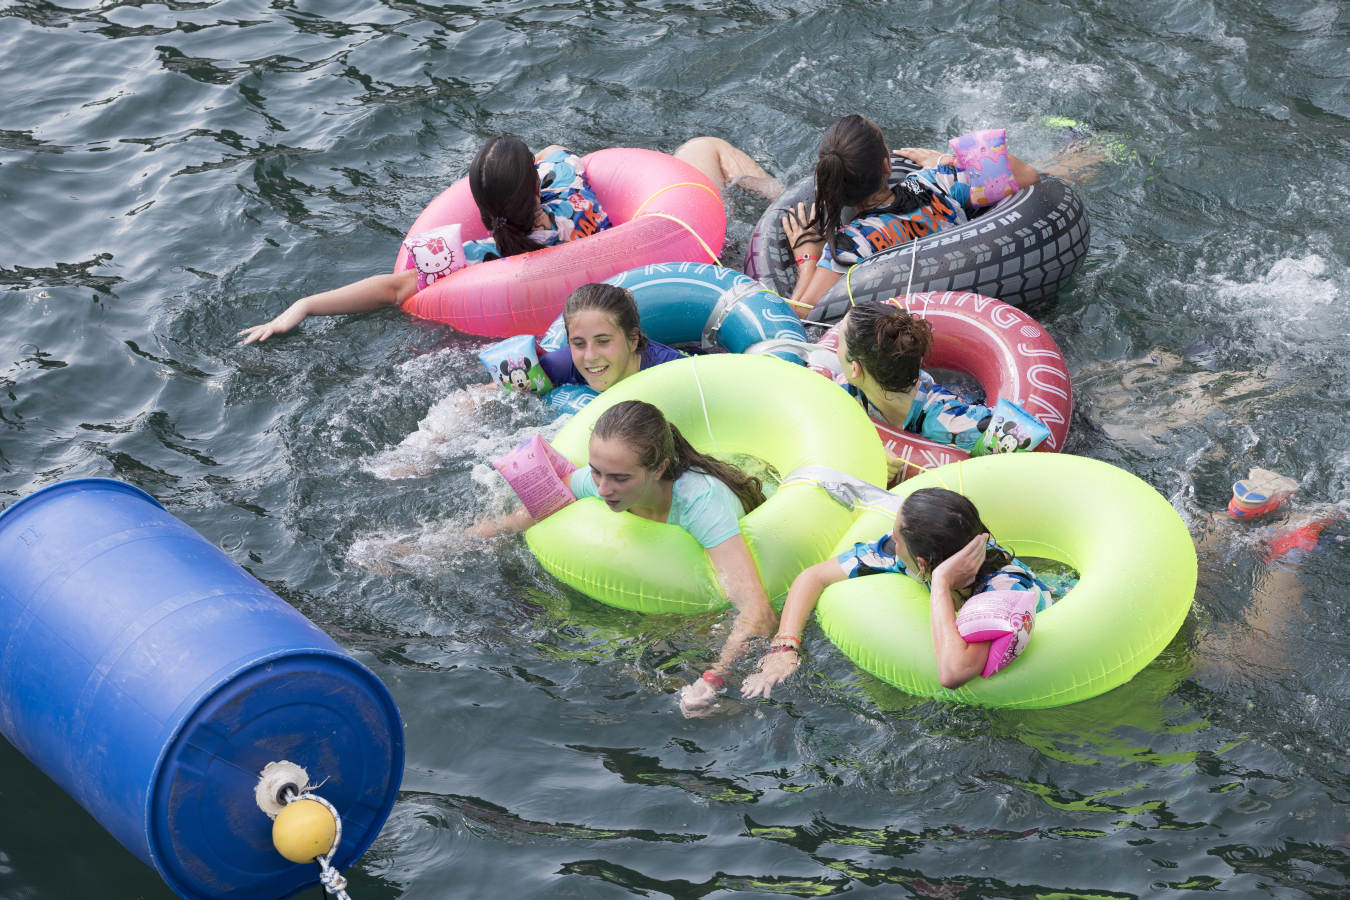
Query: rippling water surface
[[171, 172]]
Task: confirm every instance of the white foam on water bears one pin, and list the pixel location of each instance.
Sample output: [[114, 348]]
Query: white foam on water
[[1292, 302]]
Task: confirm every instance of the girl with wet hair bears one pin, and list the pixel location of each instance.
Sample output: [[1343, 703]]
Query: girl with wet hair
[[853, 167], [881, 348], [641, 464], [938, 539], [526, 202], [605, 340], [505, 184]]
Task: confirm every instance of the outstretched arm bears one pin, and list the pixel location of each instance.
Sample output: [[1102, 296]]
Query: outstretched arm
[[510, 523], [360, 296], [776, 666], [1025, 173]]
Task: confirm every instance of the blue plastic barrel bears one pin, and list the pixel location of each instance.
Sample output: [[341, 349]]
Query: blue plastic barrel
[[152, 678]]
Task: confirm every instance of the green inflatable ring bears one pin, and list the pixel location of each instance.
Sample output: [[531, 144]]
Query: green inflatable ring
[[1136, 565], [728, 403]]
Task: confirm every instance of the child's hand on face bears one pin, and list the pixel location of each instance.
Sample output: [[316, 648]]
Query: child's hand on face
[[959, 569]]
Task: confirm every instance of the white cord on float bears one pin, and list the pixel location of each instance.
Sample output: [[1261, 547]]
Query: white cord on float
[[305, 827]]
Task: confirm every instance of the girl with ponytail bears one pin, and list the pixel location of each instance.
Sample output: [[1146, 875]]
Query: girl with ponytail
[[526, 202], [641, 464], [853, 168], [938, 539]]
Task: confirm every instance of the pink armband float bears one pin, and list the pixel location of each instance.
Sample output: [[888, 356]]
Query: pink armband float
[[1004, 618], [539, 475], [984, 156], [436, 252]]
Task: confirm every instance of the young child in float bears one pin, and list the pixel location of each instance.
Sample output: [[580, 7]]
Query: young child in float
[[853, 169], [938, 539], [528, 203], [639, 463], [881, 347]]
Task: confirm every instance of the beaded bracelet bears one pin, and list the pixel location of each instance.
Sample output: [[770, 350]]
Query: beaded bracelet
[[805, 258], [717, 681], [783, 647], [788, 637]]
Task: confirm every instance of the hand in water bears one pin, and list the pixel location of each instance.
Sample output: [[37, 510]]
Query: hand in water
[[774, 669], [293, 316], [697, 699]]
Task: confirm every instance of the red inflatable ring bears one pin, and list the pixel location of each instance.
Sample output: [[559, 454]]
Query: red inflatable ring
[[1003, 348]]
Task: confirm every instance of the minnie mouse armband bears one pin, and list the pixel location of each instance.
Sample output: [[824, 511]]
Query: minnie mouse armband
[[1003, 618], [984, 157], [436, 253], [514, 364], [1010, 429]]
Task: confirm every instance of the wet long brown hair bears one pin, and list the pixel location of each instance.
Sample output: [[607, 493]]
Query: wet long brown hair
[[643, 427], [505, 185], [852, 164]]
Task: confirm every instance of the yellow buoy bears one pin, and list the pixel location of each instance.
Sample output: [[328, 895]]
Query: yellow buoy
[[303, 831]]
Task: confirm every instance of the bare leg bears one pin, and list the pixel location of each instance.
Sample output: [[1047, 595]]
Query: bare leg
[[727, 166], [1076, 162]]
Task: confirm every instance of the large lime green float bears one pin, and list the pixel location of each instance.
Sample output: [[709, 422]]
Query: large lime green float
[[724, 404], [1134, 556]]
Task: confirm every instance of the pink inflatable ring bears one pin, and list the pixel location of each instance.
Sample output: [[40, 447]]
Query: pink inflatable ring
[[1003, 348], [662, 210]]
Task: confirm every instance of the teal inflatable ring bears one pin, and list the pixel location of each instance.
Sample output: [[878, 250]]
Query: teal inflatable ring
[[724, 404], [1134, 556]]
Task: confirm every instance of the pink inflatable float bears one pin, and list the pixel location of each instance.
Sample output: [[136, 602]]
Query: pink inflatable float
[[663, 210], [1003, 348]]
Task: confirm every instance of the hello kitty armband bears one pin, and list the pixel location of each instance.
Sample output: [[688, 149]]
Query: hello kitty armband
[[984, 156], [436, 253], [1004, 618], [514, 364]]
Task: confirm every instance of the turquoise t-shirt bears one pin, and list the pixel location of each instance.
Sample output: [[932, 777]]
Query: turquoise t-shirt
[[700, 504]]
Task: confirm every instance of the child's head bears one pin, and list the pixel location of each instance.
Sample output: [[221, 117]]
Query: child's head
[[934, 523], [852, 164], [636, 432], [604, 334], [886, 342], [505, 185]]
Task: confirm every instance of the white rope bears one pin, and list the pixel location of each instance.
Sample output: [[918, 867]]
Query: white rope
[[913, 260], [707, 422], [331, 879]]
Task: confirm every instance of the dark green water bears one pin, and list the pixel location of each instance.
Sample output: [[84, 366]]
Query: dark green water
[[171, 172]]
